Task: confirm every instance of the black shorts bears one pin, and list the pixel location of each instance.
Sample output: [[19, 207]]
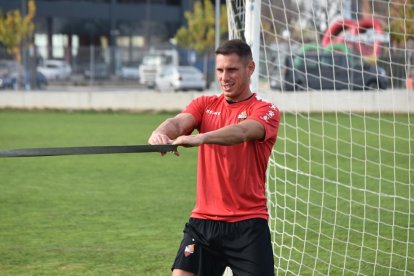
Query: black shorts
[[209, 246]]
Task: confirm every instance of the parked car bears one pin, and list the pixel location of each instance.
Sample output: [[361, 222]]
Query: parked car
[[8, 66], [332, 70], [130, 71], [9, 80], [99, 71], [178, 78], [55, 69]]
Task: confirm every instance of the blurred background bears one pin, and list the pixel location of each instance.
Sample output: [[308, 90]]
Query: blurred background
[[102, 42], [127, 43]]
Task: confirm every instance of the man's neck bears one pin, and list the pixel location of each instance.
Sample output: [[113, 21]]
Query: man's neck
[[231, 101]]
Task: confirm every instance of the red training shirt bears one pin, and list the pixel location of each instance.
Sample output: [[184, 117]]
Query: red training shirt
[[231, 179]]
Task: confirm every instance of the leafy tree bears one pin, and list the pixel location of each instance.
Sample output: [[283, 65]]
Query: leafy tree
[[199, 34], [15, 29], [402, 27]]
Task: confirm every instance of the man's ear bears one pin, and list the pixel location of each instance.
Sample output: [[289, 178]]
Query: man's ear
[[251, 66]]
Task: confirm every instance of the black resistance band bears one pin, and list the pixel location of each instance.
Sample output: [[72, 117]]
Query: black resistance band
[[86, 150]]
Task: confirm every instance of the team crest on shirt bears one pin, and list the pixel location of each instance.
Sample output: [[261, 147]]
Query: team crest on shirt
[[242, 116], [189, 249]]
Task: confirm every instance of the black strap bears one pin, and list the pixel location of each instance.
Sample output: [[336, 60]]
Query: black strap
[[86, 150]]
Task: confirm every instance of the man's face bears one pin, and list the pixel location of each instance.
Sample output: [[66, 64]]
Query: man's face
[[233, 74]]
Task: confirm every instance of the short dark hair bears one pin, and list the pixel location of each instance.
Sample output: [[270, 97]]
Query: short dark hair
[[235, 46]]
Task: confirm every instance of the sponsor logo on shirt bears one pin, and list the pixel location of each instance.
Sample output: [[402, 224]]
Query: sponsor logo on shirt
[[211, 112], [270, 113]]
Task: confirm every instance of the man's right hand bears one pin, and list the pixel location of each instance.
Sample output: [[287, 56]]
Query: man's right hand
[[161, 139], [172, 128]]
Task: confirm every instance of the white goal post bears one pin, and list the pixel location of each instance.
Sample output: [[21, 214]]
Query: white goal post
[[340, 182]]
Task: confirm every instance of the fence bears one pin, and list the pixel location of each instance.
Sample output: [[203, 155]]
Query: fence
[[99, 66]]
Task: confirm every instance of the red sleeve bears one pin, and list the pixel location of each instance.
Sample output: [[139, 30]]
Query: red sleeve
[[269, 116], [196, 108]]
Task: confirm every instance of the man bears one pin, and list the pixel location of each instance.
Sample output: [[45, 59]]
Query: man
[[236, 133]]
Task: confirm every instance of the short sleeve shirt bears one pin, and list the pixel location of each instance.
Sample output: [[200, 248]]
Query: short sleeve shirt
[[231, 179]]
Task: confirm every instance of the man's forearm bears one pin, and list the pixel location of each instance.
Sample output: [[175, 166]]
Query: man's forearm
[[169, 128], [226, 136], [230, 135], [172, 128]]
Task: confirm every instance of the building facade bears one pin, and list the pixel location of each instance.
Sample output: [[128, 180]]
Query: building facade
[[120, 28]]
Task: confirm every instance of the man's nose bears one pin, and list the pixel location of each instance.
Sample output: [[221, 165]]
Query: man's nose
[[225, 75]]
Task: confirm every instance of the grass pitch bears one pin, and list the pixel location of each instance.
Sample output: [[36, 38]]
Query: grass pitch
[[347, 212], [96, 214]]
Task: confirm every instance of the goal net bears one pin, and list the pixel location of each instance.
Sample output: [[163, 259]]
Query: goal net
[[341, 178]]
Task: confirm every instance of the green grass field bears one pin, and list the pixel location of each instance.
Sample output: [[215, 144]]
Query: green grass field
[[345, 206], [123, 214], [104, 214]]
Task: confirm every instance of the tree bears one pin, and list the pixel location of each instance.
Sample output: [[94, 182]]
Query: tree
[[199, 34], [402, 26], [402, 29], [15, 29]]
